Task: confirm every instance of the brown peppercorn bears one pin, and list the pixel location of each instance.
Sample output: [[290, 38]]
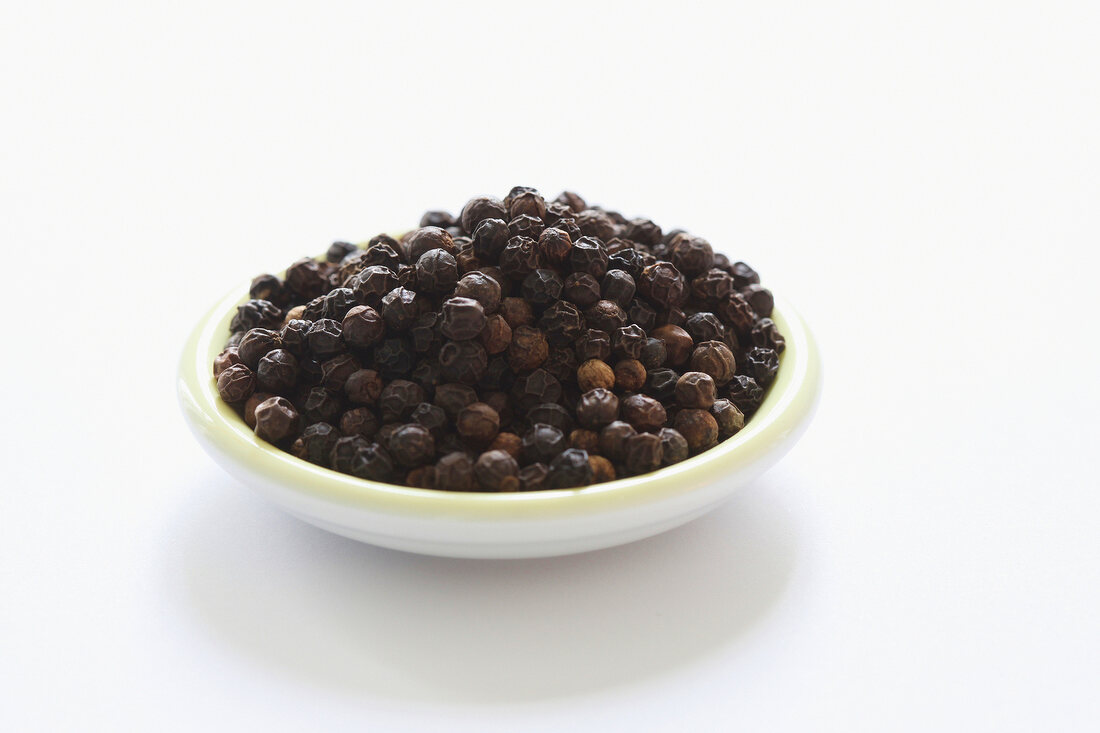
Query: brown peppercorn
[[436, 271], [256, 313], [586, 440], [562, 364], [495, 470], [593, 344], [463, 319], [480, 287], [642, 453], [359, 421], [497, 334], [517, 312], [606, 315], [510, 443], [363, 387], [411, 445], [398, 399], [420, 241], [453, 397], [678, 343], [554, 246], [597, 407], [277, 372], [729, 417], [760, 298], [716, 359], [663, 285], [698, 427], [612, 438], [595, 374], [572, 200], [362, 327], [529, 348], [480, 208], [236, 383], [644, 413], [336, 371], [255, 344], [455, 472], [691, 255], [276, 420], [602, 470], [421, 478], [304, 278], [227, 358], [582, 289], [478, 424], [630, 375], [674, 446], [735, 311], [524, 201], [463, 361], [250, 406], [695, 389]]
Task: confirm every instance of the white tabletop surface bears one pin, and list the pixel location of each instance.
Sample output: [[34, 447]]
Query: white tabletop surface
[[920, 179]]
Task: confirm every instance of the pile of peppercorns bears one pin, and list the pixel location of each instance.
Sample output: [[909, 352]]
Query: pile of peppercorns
[[522, 345]]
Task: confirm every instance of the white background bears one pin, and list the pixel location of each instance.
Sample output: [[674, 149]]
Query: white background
[[920, 179]]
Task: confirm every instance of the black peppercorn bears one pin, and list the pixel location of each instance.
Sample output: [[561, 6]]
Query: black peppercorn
[[586, 440], [533, 477], [463, 319], [712, 287], [674, 446], [320, 405], [325, 339], [661, 384], [337, 251], [480, 287], [436, 271], [541, 288], [653, 354], [269, 288], [441, 219], [316, 442], [400, 307], [598, 224], [480, 208], [510, 443], [496, 335], [766, 334], [255, 344], [593, 344], [597, 407], [463, 361], [582, 289], [618, 286], [336, 371], [569, 469], [745, 393], [293, 336], [519, 258], [426, 334], [489, 239], [562, 323], [561, 364], [304, 279], [236, 383], [526, 226], [398, 399], [256, 314], [743, 275], [455, 472], [589, 255], [642, 313], [394, 357], [627, 342], [420, 241], [663, 285], [517, 312], [495, 470], [551, 413], [337, 303], [572, 200], [691, 255], [359, 421], [411, 445], [277, 372], [224, 360], [369, 461], [525, 201], [761, 364], [704, 326], [372, 283], [536, 387]]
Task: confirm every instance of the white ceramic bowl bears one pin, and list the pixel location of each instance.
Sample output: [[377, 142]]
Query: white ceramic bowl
[[489, 525]]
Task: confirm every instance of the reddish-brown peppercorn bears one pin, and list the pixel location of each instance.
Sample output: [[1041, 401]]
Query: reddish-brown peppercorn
[[480, 287], [554, 246], [255, 344], [698, 427], [510, 443], [420, 241], [236, 383], [612, 438], [478, 424], [359, 421], [595, 374], [716, 359], [517, 312], [421, 478], [695, 389], [678, 343], [586, 440], [497, 334], [276, 420], [630, 375], [644, 413], [602, 470], [528, 349]]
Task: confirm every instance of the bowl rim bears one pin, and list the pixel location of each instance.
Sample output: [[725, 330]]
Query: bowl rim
[[788, 405]]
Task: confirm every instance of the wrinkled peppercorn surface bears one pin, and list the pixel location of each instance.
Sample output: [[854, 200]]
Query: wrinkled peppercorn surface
[[521, 344]]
